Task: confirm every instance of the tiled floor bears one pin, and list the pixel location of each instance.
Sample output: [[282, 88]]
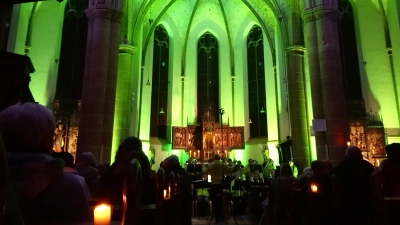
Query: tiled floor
[[231, 221]]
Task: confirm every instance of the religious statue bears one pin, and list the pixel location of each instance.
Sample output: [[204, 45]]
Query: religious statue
[[59, 134]]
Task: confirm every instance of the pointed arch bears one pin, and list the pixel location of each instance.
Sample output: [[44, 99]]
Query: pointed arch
[[208, 97], [256, 83], [160, 83]]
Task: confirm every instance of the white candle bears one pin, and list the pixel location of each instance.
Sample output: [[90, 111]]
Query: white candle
[[165, 194], [190, 153], [377, 162], [102, 215], [169, 191]]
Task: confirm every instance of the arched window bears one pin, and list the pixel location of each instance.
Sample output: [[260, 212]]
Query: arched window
[[348, 44], [159, 91], [73, 51], [256, 83], [208, 76]]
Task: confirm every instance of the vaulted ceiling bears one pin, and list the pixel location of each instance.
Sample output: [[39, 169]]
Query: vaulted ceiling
[[187, 14]]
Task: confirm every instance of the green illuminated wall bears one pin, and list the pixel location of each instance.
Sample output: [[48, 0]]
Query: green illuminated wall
[[376, 78], [45, 44]]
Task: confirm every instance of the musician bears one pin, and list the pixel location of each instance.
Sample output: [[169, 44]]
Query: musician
[[268, 168], [216, 170]]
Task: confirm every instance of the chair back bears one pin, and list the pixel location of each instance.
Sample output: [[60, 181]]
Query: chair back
[[131, 190], [171, 184], [3, 178], [159, 178]]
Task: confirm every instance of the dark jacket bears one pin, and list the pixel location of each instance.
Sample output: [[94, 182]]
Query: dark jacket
[[45, 193], [110, 189]]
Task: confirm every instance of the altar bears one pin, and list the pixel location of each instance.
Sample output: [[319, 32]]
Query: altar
[[206, 137]]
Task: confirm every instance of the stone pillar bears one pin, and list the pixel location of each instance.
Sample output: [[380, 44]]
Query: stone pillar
[[313, 43], [322, 41], [333, 93], [125, 99], [99, 85], [298, 106]]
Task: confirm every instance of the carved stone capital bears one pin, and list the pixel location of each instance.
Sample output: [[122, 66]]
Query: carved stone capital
[[127, 49], [308, 16], [295, 50], [334, 15], [103, 11]]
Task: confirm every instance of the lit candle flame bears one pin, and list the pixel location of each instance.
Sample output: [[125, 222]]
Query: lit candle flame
[[102, 215], [348, 143], [314, 188]]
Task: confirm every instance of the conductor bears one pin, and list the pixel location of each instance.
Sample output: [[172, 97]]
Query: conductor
[[216, 170]]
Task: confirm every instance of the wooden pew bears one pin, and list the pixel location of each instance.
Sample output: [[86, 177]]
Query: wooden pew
[[131, 193]]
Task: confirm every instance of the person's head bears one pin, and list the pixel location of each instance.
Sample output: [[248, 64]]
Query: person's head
[[102, 168], [353, 152], [67, 157], [393, 151], [327, 165], [130, 144], [27, 127], [217, 157], [286, 170], [317, 166], [87, 159], [171, 161]]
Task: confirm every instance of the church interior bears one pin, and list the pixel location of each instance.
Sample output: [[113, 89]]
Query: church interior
[[299, 79]]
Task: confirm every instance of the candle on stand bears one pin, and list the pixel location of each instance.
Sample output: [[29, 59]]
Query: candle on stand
[[226, 153], [165, 194], [194, 154], [169, 191], [198, 152], [190, 153], [377, 162], [314, 188], [102, 215], [218, 152]]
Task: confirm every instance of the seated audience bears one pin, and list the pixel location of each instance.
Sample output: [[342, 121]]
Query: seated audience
[[69, 162], [45, 193], [112, 181], [68, 159], [353, 187], [171, 164], [87, 168], [284, 193]]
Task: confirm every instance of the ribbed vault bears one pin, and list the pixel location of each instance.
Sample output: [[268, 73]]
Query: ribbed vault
[[187, 14]]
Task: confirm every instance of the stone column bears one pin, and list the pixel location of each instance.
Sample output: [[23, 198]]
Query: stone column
[[98, 96], [333, 94], [313, 44], [298, 105], [125, 99]]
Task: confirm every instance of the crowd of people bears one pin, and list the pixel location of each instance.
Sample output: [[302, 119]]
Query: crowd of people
[[47, 187], [354, 192]]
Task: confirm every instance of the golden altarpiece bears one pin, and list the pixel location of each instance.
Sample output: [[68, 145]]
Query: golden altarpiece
[[368, 133], [66, 114], [206, 137]]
